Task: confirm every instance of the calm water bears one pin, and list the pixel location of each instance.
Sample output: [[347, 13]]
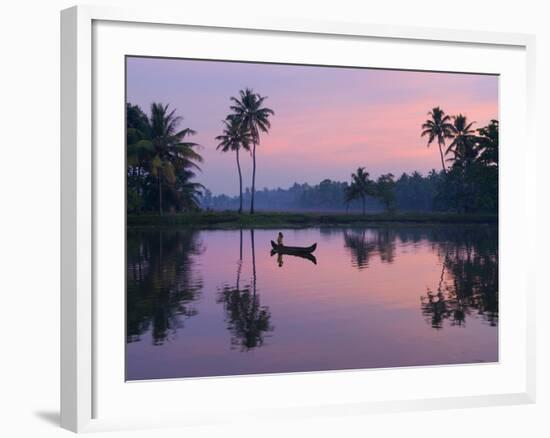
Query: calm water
[[215, 302]]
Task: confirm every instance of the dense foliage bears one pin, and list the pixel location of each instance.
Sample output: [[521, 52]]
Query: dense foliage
[[161, 163]]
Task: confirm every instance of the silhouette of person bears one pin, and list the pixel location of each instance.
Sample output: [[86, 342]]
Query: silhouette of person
[[280, 239]]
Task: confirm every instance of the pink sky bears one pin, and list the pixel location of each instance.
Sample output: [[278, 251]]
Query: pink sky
[[328, 121]]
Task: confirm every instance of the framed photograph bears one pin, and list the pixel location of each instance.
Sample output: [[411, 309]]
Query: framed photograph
[[321, 216]]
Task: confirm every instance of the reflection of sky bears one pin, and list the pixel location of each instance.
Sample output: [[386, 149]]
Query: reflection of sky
[[328, 121], [326, 316]]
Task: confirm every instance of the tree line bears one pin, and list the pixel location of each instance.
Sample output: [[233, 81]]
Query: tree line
[[409, 192], [162, 164], [470, 183]]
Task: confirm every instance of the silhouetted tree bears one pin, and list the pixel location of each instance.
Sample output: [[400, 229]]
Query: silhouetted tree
[[385, 191], [160, 157], [235, 136], [361, 186], [248, 109], [439, 128], [463, 146]]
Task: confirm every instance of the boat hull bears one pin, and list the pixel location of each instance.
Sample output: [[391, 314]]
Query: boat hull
[[293, 249]]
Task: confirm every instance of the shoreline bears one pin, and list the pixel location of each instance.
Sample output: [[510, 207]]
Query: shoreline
[[232, 220]]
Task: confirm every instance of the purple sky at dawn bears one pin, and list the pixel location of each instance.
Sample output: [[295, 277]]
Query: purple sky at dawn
[[328, 121]]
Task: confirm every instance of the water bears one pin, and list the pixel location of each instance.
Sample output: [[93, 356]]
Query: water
[[216, 302]]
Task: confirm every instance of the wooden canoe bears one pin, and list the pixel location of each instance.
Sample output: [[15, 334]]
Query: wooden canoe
[[293, 249]]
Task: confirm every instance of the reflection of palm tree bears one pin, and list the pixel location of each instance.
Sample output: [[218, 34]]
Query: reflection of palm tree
[[362, 246], [240, 264], [253, 259], [469, 279], [436, 307], [240, 244], [247, 320], [161, 286], [385, 244]]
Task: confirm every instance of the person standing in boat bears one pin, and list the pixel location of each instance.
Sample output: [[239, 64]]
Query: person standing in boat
[[280, 239]]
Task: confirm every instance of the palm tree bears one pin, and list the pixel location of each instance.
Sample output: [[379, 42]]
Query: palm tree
[[350, 194], [233, 138], [439, 128], [254, 117], [487, 144], [171, 152], [464, 141], [385, 190], [361, 186], [188, 193]]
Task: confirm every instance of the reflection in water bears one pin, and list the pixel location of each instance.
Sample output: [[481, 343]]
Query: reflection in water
[[363, 244], [468, 282], [162, 284], [280, 260], [246, 318], [360, 309]]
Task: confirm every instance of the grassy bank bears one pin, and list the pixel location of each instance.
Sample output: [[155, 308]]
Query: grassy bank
[[231, 219]]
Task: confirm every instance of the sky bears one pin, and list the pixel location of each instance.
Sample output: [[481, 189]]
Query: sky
[[328, 120]]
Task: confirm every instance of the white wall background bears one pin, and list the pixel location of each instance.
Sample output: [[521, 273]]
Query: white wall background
[[29, 215]]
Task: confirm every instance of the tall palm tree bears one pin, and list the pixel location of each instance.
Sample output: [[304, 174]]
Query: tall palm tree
[[172, 152], [464, 141], [253, 116], [439, 128], [233, 138], [361, 186]]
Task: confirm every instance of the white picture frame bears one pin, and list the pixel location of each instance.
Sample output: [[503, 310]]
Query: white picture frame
[[91, 400]]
